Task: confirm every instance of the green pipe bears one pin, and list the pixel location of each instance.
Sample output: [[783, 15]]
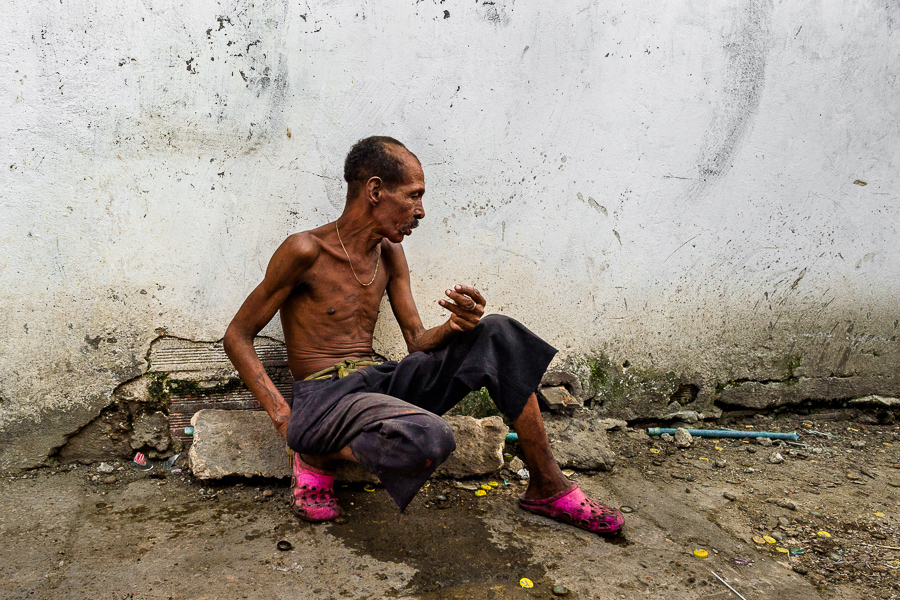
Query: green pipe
[[512, 437], [726, 433]]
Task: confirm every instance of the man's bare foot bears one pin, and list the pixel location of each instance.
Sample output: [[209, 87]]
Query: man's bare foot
[[542, 485]]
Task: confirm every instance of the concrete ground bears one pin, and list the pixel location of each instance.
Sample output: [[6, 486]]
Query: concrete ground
[[71, 533]]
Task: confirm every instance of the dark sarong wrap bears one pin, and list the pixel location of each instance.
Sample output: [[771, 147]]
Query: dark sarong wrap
[[388, 413]]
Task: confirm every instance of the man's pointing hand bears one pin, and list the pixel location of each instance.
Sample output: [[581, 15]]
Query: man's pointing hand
[[466, 308]]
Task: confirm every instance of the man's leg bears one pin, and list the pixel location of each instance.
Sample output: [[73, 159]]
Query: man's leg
[[329, 462], [398, 442], [546, 477]]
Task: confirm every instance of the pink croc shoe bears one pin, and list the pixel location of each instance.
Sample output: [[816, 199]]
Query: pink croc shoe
[[312, 492], [573, 507]]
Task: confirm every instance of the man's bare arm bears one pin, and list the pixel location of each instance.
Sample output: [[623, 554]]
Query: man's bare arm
[[283, 274], [465, 303]]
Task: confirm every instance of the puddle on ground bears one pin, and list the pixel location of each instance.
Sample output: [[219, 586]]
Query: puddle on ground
[[450, 549]]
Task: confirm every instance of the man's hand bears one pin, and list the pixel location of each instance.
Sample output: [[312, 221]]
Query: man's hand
[[467, 307], [282, 415]]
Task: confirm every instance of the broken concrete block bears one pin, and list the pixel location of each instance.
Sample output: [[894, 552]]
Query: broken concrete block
[[579, 443], [479, 447], [559, 399], [236, 442], [568, 380], [245, 443], [151, 430]]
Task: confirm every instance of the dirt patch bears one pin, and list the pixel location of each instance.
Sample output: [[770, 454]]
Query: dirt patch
[[457, 562]]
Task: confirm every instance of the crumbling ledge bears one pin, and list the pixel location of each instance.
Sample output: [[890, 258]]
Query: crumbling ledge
[[769, 395]]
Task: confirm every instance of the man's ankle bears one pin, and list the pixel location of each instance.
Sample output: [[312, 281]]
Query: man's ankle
[[319, 462]]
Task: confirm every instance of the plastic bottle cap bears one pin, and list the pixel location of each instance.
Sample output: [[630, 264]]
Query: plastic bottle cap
[[493, 484], [701, 553], [526, 583], [823, 533], [782, 550], [769, 539], [758, 539], [719, 448], [486, 487], [654, 450], [480, 493], [369, 487], [879, 514]]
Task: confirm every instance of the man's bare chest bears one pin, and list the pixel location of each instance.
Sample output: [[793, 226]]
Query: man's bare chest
[[330, 290]]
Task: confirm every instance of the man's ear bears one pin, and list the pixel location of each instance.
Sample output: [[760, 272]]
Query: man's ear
[[373, 188]]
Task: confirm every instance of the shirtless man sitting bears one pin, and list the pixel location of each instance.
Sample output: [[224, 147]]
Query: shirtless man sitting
[[328, 284]]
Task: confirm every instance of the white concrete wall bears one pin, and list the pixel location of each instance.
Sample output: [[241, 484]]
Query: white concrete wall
[[670, 183]]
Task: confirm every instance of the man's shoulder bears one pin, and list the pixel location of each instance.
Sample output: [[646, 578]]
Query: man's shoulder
[[303, 247]]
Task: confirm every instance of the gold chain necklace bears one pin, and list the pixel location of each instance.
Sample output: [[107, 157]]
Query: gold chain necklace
[[352, 270]]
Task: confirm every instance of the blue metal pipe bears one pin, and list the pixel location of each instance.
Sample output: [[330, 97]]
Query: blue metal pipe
[[726, 433]]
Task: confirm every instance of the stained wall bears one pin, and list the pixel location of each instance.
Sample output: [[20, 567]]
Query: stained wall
[[707, 191]]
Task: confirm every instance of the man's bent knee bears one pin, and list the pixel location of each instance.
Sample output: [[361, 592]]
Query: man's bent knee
[[435, 446]]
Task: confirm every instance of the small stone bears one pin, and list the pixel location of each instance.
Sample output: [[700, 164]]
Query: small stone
[[560, 590], [341, 520], [764, 441], [777, 535], [284, 545], [516, 464], [105, 468], [800, 569], [858, 444], [465, 486], [783, 522], [852, 476], [268, 493], [776, 458], [720, 463], [109, 480], [730, 496], [683, 439], [788, 504], [751, 450], [666, 437]]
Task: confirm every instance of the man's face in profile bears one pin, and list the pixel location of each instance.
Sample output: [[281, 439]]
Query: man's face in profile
[[399, 209]]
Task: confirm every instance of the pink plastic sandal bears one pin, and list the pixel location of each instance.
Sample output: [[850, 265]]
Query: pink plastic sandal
[[573, 507], [312, 492]]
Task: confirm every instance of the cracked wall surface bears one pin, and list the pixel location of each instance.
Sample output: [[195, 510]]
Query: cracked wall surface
[[687, 194]]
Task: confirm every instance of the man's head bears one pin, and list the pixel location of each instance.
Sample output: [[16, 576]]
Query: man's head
[[377, 156], [381, 172]]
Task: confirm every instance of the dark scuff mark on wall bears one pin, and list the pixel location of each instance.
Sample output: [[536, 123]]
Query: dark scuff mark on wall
[[745, 49]]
